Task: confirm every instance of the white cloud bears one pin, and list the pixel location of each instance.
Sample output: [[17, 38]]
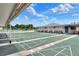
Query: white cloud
[[17, 18], [68, 5], [75, 20], [26, 17], [35, 22], [76, 14], [55, 20], [41, 15], [33, 4], [62, 8], [32, 11]]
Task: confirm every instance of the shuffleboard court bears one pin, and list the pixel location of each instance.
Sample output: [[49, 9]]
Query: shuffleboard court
[[30, 40]]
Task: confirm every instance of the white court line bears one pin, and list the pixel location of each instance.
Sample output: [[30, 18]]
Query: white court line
[[70, 50], [4, 39], [27, 52], [59, 52], [23, 37], [15, 32], [38, 44], [64, 49], [21, 45], [58, 47], [41, 53], [4, 44], [26, 45], [20, 38], [53, 50], [13, 38]]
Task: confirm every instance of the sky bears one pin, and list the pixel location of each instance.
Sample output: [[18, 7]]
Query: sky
[[40, 14]]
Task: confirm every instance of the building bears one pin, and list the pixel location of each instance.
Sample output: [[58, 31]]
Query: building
[[57, 28]]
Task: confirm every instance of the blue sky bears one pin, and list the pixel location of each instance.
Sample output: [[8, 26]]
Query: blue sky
[[41, 14]]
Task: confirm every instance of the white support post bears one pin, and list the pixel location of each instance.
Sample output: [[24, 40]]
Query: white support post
[[10, 32]]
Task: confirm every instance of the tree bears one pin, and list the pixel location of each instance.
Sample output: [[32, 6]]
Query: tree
[[13, 27], [21, 26], [8, 26], [17, 26], [30, 26]]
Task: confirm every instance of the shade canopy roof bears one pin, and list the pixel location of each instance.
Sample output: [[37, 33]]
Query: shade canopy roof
[[8, 11]]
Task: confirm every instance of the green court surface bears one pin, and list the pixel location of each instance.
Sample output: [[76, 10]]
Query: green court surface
[[30, 40]]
